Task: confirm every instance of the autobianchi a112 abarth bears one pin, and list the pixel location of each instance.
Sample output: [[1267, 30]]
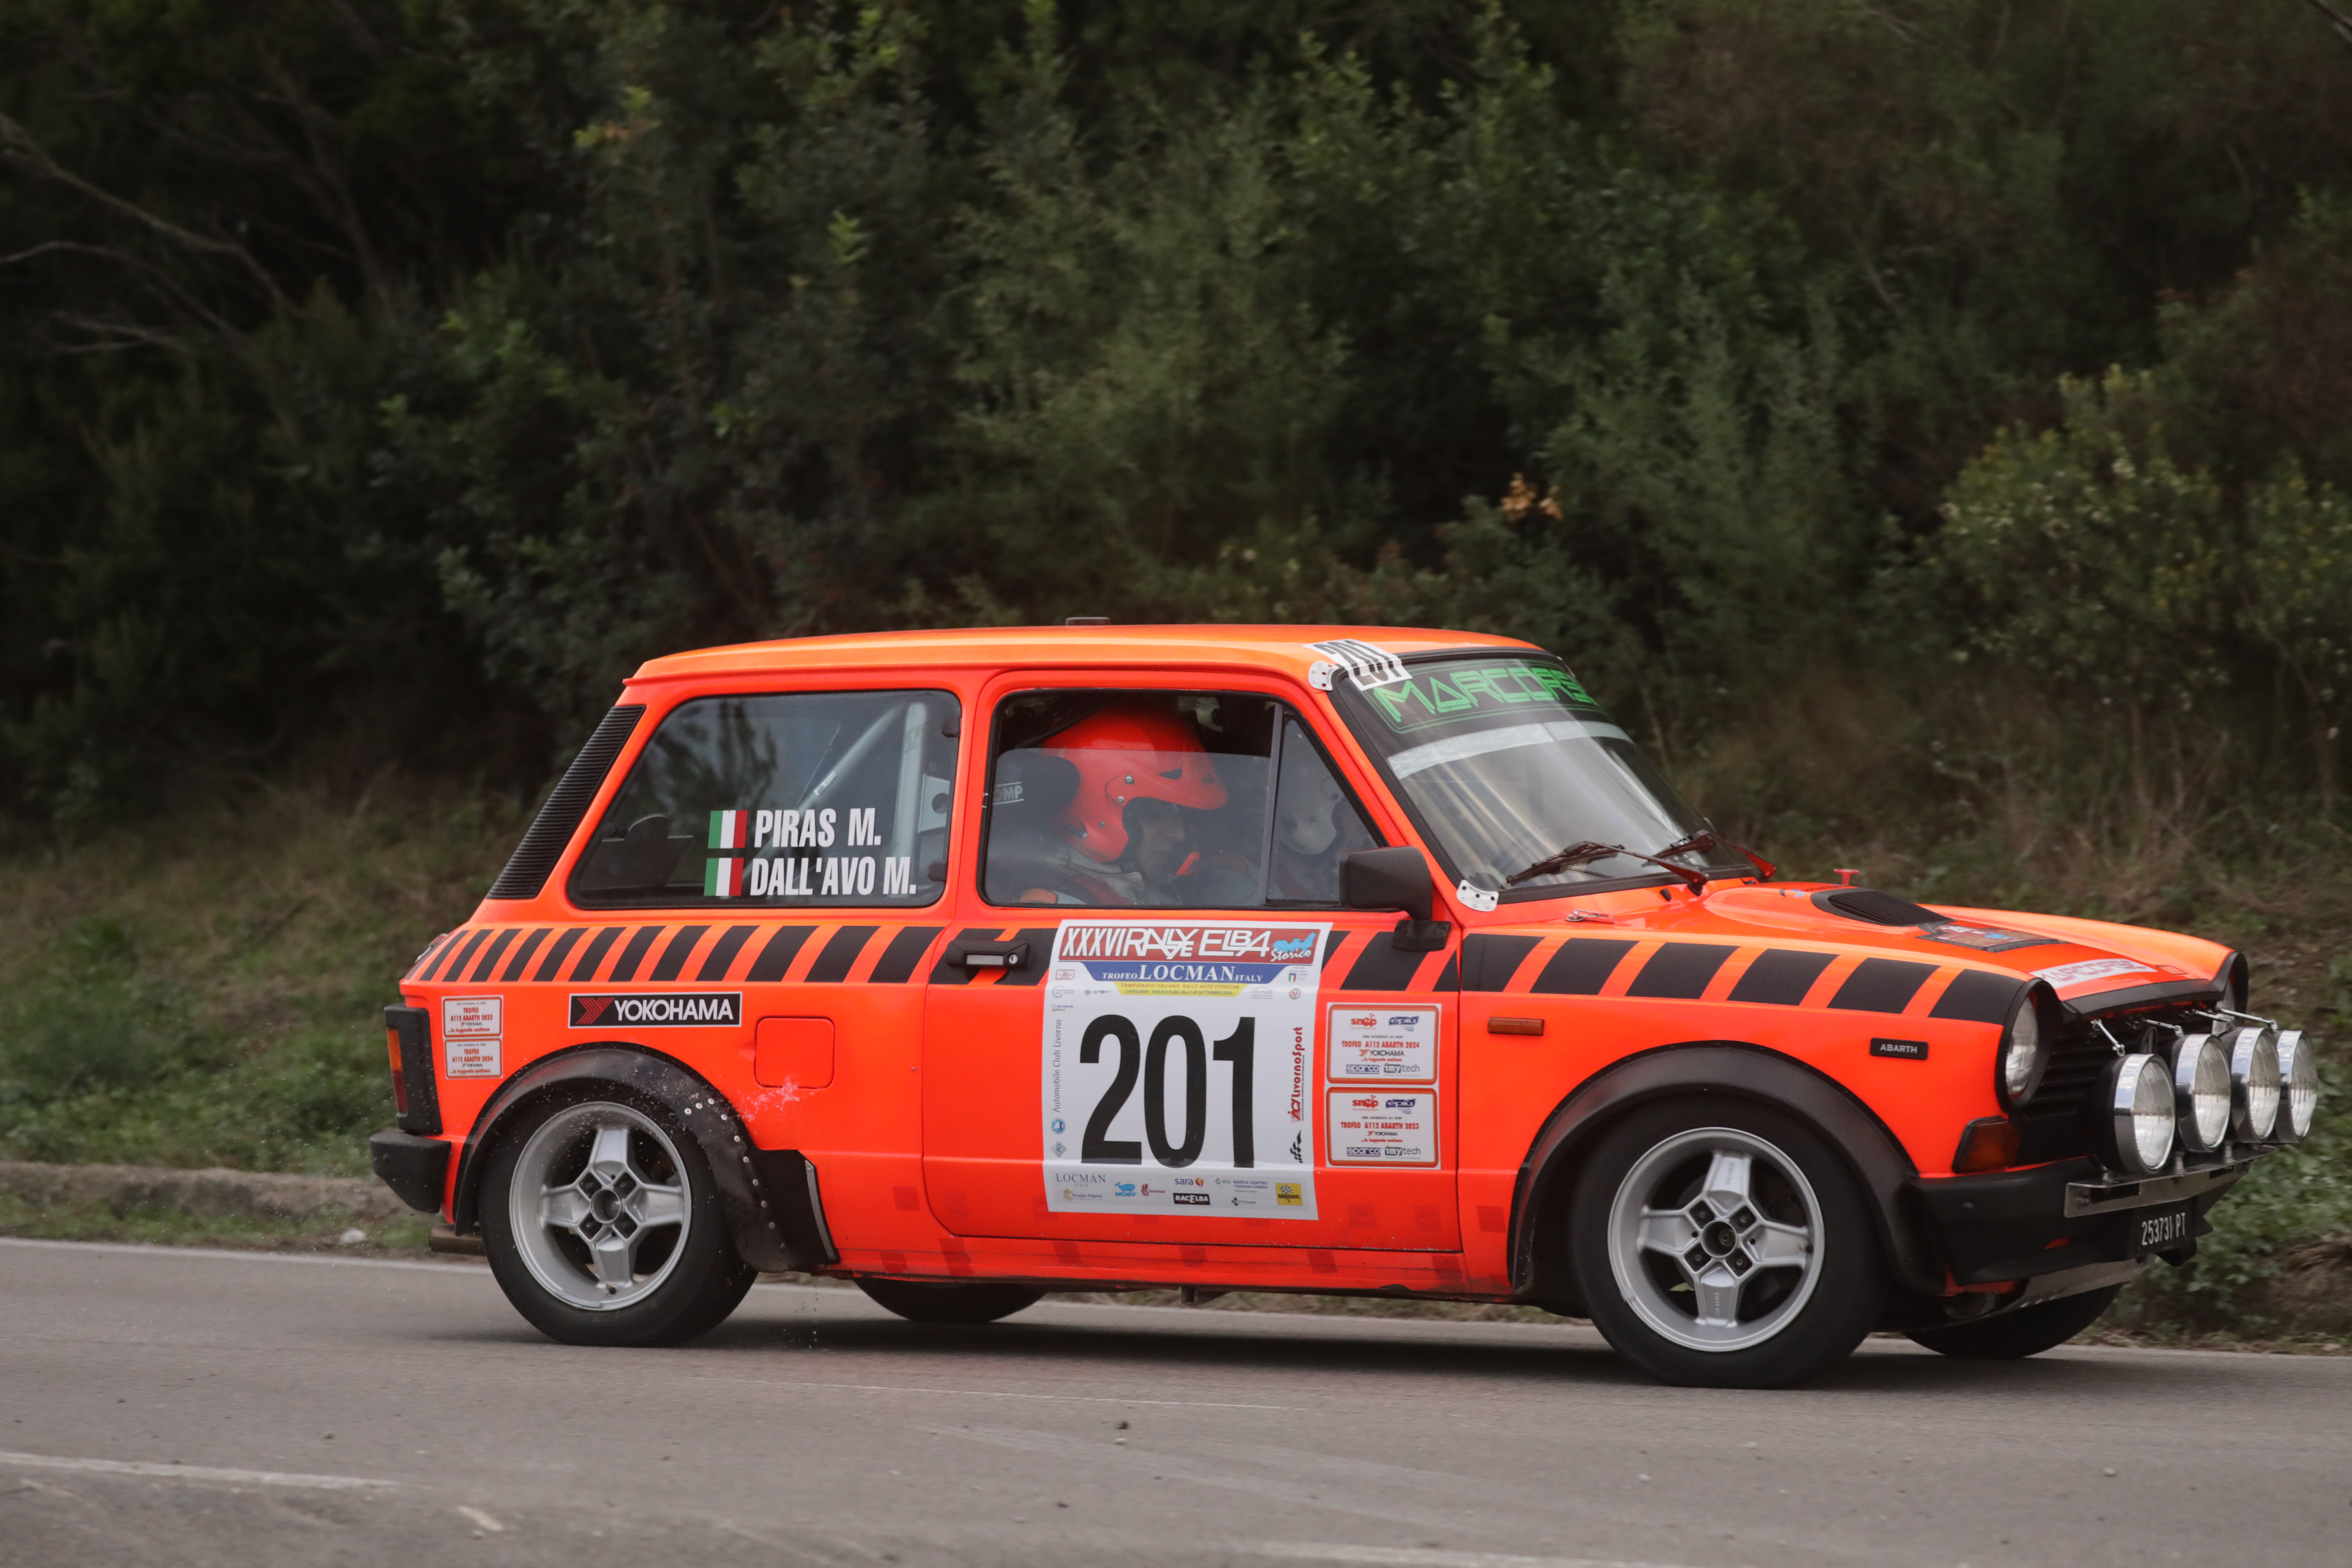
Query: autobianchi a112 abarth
[[971, 965]]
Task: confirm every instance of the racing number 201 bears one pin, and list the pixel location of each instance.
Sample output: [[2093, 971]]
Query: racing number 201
[[1240, 1047]]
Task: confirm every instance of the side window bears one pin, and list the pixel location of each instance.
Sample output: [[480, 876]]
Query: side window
[[808, 800], [1161, 800], [1316, 824]]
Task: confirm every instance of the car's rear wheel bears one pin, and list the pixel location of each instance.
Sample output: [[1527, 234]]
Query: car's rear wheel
[[2028, 1330], [603, 1224], [920, 1302], [1724, 1245]]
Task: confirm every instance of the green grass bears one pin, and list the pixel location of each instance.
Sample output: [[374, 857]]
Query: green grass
[[205, 989], [403, 1236]]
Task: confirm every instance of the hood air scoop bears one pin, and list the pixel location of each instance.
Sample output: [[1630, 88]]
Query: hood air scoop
[[1876, 908]]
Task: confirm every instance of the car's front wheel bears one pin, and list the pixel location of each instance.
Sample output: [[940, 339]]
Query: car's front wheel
[[603, 1224], [1723, 1245]]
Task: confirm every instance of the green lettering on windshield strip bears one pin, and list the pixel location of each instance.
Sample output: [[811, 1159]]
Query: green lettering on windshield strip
[[1426, 699]]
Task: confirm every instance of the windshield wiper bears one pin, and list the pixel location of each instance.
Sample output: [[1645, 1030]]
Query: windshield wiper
[[1706, 838], [1586, 850]]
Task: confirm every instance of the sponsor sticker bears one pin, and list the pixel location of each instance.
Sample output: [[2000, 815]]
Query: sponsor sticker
[[1376, 1125], [1368, 665], [470, 1058], [1176, 1069], [1392, 1045], [1982, 939], [2067, 975], [637, 1009], [1425, 698], [472, 1015]]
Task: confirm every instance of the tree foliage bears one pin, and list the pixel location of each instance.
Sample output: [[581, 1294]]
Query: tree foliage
[[402, 372]]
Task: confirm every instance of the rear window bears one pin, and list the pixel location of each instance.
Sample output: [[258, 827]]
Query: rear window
[[801, 800]]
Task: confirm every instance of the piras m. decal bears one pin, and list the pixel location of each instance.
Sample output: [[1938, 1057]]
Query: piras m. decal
[[664, 1008]]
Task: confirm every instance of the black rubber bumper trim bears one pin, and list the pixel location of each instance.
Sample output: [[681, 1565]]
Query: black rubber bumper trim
[[417, 1169], [2012, 1225]]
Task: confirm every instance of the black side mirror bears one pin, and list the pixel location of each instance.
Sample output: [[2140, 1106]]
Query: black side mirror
[[1396, 880]]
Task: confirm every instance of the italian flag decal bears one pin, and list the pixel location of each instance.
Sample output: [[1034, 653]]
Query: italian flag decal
[[730, 830], [722, 878]]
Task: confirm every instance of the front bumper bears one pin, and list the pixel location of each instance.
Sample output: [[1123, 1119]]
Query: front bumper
[[417, 1169], [2065, 1216]]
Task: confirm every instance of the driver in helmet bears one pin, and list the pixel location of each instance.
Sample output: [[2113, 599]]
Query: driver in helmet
[[1125, 840]]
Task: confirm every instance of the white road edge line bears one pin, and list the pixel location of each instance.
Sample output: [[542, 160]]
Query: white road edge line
[[194, 1472], [993, 1394], [455, 1267], [1426, 1556]]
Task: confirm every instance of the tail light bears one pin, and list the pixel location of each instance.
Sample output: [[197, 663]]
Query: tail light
[[399, 1075], [415, 1096]]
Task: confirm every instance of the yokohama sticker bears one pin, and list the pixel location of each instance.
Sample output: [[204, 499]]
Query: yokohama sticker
[[1176, 1069], [660, 1008]]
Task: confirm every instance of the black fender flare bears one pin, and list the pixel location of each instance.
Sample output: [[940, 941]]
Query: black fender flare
[[1539, 1263], [768, 1196]]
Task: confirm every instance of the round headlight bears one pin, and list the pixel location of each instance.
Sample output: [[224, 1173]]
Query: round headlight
[[2139, 1123], [2298, 1087], [2200, 1091], [2022, 1056], [2254, 1083]]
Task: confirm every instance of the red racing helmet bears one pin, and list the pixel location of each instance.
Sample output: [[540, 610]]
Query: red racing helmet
[[1131, 750]]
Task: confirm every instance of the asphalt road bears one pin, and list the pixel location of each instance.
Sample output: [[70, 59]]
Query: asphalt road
[[164, 1406]]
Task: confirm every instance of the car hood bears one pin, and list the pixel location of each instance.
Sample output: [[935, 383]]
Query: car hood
[[2091, 965]]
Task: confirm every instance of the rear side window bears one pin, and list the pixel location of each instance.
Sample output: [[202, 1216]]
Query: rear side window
[[804, 800]]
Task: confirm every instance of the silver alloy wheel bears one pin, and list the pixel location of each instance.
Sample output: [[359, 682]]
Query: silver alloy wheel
[[1715, 1237], [599, 1206]]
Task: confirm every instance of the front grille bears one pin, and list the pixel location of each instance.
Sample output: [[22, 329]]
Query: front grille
[[2063, 1120]]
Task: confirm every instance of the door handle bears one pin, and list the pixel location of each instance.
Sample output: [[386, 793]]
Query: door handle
[[990, 954]]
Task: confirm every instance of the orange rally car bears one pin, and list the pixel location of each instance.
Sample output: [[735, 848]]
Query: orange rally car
[[968, 966]]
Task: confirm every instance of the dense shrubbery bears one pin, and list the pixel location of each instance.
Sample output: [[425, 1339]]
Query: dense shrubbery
[[388, 378]]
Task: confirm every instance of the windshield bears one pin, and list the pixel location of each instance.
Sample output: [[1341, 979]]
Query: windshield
[[1508, 762]]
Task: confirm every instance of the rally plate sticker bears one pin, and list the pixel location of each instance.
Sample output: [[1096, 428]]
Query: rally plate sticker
[[1176, 1069], [1378, 1126], [1391, 1044]]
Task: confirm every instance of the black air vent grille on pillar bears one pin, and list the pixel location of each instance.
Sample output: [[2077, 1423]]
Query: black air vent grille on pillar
[[542, 843]]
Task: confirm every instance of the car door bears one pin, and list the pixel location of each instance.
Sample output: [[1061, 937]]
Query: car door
[[1167, 1069]]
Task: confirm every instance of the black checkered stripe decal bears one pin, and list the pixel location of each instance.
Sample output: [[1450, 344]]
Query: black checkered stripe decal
[[616, 954], [1775, 977]]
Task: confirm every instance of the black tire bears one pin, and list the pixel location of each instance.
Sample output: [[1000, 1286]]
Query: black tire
[[924, 1303], [1794, 1284], [2013, 1336], [687, 1289]]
